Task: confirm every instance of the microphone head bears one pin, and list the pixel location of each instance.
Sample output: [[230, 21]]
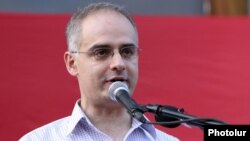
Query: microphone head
[[115, 87]]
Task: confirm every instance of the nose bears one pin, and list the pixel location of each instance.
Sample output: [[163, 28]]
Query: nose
[[117, 62]]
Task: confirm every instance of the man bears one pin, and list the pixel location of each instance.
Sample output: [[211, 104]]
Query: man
[[102, 48]]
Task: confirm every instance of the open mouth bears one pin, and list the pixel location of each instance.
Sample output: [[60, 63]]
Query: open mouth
[[122, 79], [114, 80]]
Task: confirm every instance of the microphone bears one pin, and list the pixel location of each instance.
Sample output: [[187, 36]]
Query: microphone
[[119, 92]]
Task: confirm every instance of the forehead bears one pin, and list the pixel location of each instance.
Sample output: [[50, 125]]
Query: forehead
[[109, 11], [110, 16], [104, 25]]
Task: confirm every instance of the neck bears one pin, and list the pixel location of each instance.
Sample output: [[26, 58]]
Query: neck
[[114, 112], [111, 120]]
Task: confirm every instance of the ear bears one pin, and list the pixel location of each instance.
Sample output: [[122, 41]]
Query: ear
[[70, 62]]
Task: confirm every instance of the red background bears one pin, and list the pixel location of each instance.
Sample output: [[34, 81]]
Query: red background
[[199, 63]]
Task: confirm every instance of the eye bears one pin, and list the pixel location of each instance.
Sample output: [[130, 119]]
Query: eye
[[128, 52], [101, 53]]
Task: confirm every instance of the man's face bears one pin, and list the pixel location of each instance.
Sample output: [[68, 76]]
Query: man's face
[[105, 29]]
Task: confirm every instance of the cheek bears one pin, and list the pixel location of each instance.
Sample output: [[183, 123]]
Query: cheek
[[91, 79], [133, 71], [135, 66], [96, 72]]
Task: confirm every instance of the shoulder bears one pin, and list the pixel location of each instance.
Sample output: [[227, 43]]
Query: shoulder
[[162, 136], [47, 131]]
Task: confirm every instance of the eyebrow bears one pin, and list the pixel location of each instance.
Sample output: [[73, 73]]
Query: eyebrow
[[129, 45], [100, 46]]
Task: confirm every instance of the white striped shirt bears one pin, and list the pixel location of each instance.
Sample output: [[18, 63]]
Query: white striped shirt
[[77, 127]]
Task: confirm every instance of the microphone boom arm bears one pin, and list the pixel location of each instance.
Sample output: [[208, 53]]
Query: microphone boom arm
[[177, 114]]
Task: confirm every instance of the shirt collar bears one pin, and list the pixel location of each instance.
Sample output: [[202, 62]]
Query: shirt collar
[[149, 128], [78, 115]]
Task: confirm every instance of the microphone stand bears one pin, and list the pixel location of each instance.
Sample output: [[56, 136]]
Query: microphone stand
[[170, 116]]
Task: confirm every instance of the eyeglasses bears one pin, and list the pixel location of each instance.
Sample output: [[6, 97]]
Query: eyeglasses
[[103, 53]]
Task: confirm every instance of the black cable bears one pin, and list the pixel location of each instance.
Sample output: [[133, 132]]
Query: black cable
[[204, 120]]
